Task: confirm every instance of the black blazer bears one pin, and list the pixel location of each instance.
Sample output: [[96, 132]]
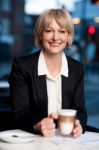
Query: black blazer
[[29, 91]]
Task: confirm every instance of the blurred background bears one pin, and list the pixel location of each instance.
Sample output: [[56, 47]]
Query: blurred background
[[17, 21]]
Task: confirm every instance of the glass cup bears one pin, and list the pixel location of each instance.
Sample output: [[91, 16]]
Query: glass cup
[[66, 119]]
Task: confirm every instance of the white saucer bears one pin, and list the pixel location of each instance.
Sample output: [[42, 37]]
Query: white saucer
[[16, 136]]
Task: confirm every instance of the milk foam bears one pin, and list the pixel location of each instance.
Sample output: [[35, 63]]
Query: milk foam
[[67, 112]]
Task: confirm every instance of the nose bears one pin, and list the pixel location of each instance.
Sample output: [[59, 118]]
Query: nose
[[55, 36]]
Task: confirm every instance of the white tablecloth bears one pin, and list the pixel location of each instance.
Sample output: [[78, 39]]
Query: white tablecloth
[[88, 141]]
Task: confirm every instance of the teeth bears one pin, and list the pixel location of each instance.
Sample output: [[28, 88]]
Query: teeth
[[56, 44]]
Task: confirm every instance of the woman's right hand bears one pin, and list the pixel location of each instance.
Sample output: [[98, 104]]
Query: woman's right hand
[[47, 126]]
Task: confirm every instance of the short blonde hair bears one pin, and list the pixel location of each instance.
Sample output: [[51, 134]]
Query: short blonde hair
[[62, 18]]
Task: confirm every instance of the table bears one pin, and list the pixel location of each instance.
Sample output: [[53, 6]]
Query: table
[[88, 141]]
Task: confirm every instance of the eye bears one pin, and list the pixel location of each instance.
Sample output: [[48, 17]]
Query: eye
[[48, 30], [62, 31]]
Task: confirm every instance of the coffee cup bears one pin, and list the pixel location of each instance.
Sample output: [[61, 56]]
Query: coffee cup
[[66, 119]]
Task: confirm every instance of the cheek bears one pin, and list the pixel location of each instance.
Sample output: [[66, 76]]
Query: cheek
[[66, 37], [44, 41], [65, 40], [44, 38]]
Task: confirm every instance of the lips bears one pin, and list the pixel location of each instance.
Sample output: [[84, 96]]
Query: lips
[[55, 44]]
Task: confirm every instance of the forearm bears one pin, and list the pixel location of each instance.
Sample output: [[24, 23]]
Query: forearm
[[26, 121], [83, 119]]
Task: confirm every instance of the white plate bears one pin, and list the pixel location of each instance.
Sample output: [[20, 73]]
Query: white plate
[[16, 136]]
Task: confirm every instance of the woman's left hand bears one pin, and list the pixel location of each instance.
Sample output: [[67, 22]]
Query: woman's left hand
[[77, 131]]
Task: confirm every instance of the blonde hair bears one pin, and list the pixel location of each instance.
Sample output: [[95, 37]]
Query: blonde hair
[[62, 18]]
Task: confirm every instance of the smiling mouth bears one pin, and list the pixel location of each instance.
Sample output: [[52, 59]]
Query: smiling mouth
[[54, 44]]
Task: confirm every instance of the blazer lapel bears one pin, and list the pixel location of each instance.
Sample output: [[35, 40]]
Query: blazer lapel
[[40, 88], [66, 88], [65, 95]]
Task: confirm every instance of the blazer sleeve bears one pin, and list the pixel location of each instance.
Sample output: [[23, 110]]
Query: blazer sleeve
[[79, 99], [19, 93]]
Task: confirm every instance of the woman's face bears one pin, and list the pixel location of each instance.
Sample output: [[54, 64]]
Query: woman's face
[[54, 38]]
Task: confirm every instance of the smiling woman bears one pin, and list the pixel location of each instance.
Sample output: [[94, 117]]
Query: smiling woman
[[47, 81]]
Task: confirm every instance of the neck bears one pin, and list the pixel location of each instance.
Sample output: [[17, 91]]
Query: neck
[[53, 63]]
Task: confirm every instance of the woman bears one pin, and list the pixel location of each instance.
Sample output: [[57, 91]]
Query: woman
[[46, 81]]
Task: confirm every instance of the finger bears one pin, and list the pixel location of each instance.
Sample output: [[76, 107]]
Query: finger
[[77, 122], [49, 133], [76, 125], [51, 126], [44, 124], [77, 134], [77, 131], [48, 125], [47, 121], [53, 115]]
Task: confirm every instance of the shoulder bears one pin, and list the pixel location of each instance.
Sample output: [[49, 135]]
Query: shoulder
[[74, 65], [28, 57], [26, 60]]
